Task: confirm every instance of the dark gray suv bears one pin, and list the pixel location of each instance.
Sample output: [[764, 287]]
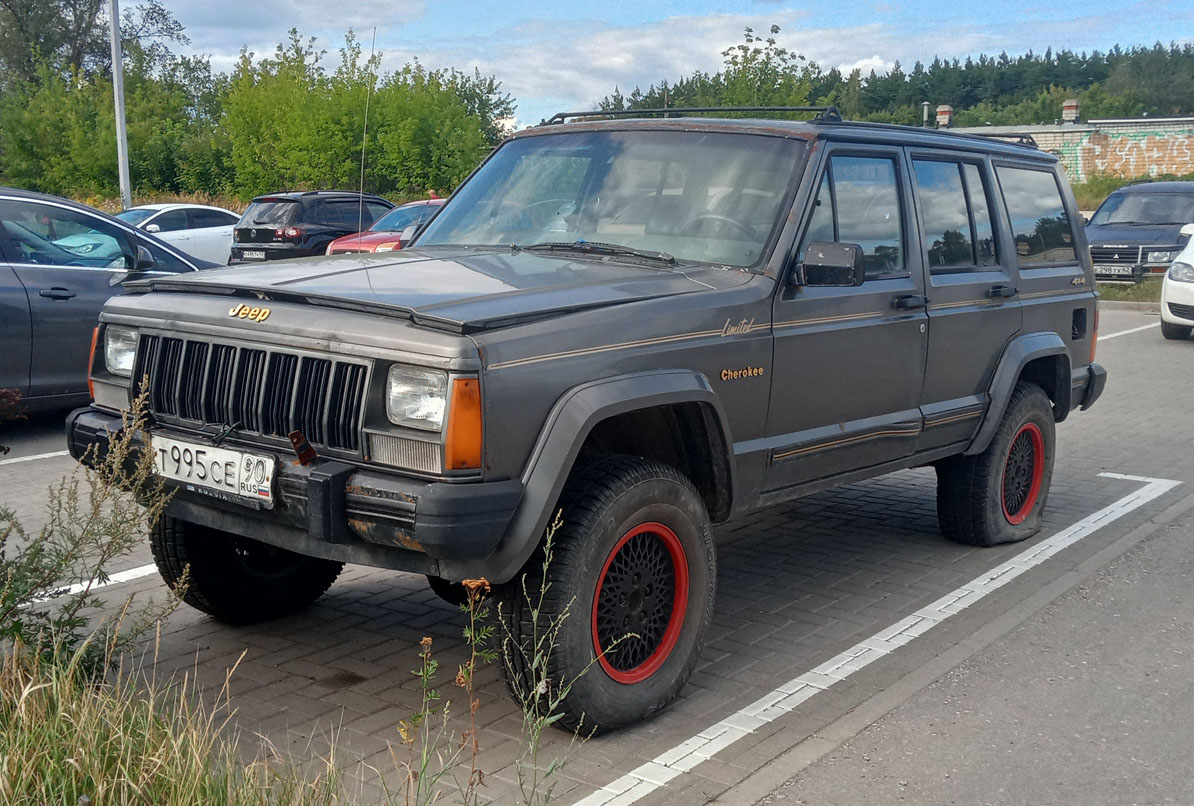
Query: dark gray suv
[[647, 326], [59, 263]]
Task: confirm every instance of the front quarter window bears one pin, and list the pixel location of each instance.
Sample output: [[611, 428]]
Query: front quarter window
[[703, 197]]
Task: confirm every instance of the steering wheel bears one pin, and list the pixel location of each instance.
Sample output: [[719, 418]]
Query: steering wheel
[[692, 225]]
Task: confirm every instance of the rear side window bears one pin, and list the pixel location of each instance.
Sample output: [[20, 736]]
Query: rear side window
[[958, 235], [344, 214], [202, 219], [859, 202], [1041, 229]]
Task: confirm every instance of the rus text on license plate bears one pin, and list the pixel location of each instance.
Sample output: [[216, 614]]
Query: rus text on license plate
[[246, 478], [1103, 268], [252, 254]]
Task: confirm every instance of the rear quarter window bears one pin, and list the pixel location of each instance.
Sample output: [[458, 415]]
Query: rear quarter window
[[1041, 229]]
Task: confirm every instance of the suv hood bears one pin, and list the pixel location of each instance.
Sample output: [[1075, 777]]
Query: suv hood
[[461, 290], [1146, 234]]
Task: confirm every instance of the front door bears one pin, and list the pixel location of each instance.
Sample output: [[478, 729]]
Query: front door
[[67, 262], [974, 305], [849, 361]]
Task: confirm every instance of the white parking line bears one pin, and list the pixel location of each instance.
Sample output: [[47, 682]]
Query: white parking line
[[33, 458], [688, 754], [1128, 331], [114, 579]]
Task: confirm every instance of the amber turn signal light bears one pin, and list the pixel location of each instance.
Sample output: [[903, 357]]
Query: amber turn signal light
[[91, 363], [462, 449]]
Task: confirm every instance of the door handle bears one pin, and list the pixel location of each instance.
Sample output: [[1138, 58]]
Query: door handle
[[57, 293], [909, 302], [1002, 291]]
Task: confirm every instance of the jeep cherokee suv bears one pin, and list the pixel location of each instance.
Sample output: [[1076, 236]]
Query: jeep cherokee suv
[[647, 326]]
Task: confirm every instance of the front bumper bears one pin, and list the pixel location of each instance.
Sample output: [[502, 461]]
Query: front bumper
[[1177, 303], [341, 511]]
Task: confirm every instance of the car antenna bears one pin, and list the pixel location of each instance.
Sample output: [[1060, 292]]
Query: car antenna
[[364, 141]]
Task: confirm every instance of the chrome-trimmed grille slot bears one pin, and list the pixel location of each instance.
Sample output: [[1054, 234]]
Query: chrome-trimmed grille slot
[[255, 391], [405, 452]]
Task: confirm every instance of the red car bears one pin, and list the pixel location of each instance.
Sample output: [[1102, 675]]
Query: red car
[[383, 236]]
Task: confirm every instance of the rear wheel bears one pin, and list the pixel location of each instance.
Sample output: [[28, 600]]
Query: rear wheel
[[997, 496], [236, 579], [1175, 332], [633, 570]]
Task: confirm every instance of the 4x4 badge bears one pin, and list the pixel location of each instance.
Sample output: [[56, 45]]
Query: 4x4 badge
[[243, 311]]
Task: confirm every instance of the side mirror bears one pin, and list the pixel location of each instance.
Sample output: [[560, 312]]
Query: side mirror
[[152, 228], [1188, 230], [831, 264], [145, 259], [408, 234]]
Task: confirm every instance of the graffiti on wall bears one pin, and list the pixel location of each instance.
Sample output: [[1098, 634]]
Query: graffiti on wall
[[1137, 154]]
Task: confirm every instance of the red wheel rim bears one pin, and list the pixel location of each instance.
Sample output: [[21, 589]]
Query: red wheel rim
[[642, 589], [1022, 473]]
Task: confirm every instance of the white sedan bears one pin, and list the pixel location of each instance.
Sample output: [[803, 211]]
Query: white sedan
[[202, 231], [1177, 292]]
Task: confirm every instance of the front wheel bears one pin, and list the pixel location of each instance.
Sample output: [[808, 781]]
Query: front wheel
[[233, 578], [997, 496], [630, 586], [1175, 332]]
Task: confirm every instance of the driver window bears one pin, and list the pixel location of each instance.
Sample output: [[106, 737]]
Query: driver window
[[859, 202], [170, 221], [47, 235]]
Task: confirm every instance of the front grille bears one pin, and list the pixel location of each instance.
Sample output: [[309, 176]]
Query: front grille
[[257, 391], [1182, 311], [1128, 256]]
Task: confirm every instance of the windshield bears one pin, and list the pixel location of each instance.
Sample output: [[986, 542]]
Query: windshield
[[400, 218], [271, 211], [702, 197], [134, 216], [1145, 208]]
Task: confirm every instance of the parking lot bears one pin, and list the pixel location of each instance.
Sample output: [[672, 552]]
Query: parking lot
[[807, 647]]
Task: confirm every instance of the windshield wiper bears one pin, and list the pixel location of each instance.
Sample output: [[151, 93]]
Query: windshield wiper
[[598, 248]]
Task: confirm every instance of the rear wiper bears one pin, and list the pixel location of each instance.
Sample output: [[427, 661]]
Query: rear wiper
[[598, 248]]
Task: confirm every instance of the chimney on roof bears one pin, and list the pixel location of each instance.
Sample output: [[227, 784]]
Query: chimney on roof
[[945, 116], [1069, 111]]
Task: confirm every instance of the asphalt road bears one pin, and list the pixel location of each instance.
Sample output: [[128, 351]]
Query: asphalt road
[[1065, 681]]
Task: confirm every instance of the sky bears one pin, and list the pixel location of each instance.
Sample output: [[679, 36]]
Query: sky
[[568, 54]]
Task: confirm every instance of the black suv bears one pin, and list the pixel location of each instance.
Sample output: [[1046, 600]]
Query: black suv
[[300, 224], [646, 326], [1136, 230]]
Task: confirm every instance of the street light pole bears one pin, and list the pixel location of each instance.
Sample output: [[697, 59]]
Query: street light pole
[[122, 141]]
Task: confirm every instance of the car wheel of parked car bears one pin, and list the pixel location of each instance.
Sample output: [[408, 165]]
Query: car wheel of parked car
[[236, 579], [630, 589], [1175, 332], [997, 496]]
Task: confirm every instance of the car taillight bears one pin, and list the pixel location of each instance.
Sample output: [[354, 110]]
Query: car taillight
[[288, 232]]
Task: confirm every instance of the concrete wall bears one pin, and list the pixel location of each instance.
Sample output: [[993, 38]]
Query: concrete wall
[[1126, 148]]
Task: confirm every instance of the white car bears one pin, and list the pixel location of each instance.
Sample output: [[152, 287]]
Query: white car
[[1177, 292], [202, 231]]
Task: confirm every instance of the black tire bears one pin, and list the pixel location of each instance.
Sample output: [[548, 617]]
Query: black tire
[[629, 526], [1175, 332], [997, 496], [451, 592], [236, 579]]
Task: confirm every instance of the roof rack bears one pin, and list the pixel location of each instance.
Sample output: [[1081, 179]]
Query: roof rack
[[1018, 139], [825, 114]]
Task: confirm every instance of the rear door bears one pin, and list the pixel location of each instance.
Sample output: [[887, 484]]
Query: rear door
[[211, 234], [849, 362], [67, 261], [15, 327], [974, 299]]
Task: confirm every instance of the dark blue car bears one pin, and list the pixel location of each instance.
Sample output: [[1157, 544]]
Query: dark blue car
[[1137, 229]]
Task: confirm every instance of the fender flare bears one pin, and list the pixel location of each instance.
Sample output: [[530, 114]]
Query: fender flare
[[564, 432], [1019, 353]]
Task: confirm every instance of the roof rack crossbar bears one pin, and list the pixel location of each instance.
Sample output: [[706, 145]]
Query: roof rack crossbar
[[825, 114], [1019, 139]]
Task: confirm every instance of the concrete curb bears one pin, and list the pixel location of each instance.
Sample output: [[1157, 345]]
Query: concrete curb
[[1139, 307]]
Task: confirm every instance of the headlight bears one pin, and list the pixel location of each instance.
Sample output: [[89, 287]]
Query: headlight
[[389, 246], [416, 398], [1182, 272], [1159, 257], [120, 348]]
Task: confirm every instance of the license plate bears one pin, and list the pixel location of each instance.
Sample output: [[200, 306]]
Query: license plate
[[253, 254], [245, 478], [1121, 270]]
